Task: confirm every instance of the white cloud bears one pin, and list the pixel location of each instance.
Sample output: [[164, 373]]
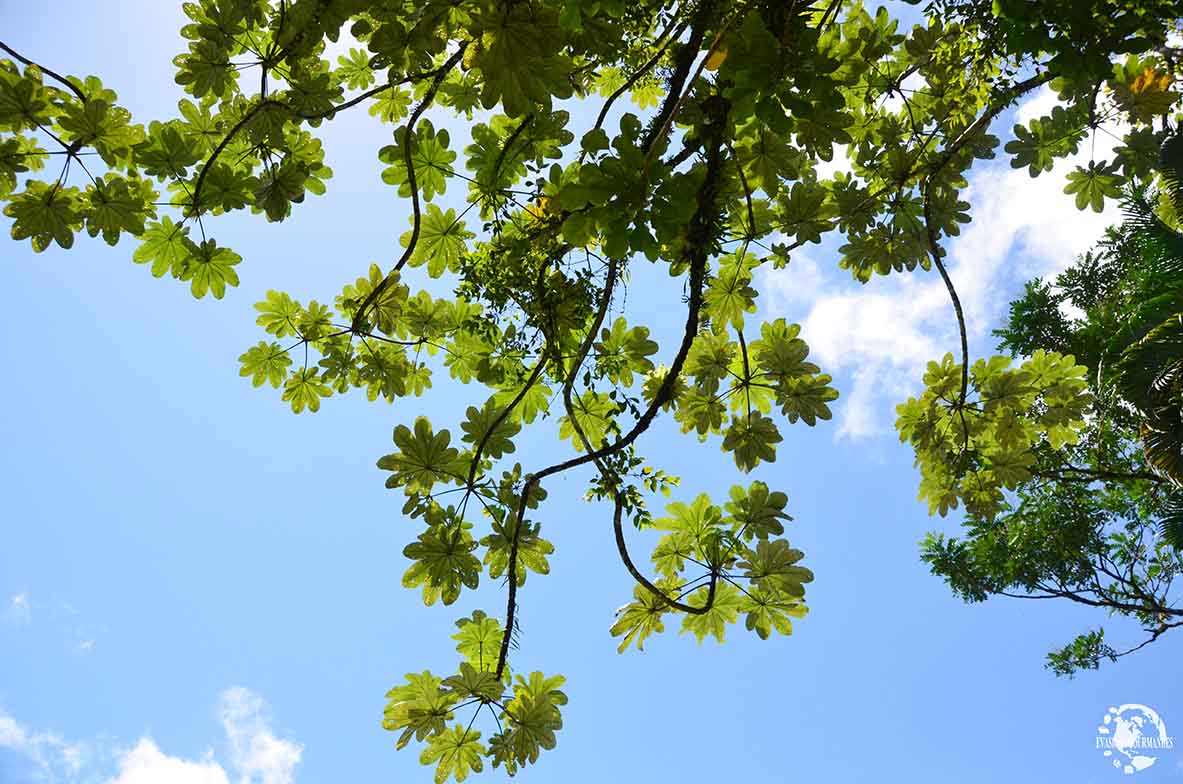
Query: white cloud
[[800, 286], [19, 612], [146, 764], [886, 331], [84, 637], [257, 755], [839, 163], [913, 83], [858, 420], [12, 735], [47, 752], [81, 637]]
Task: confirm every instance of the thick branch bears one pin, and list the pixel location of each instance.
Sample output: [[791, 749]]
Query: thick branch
[[934, 247], [480, 447], [644, 69], [610, 478], [428, 97], [622, 548], [699, 242], [685, 60], [1112, 604], [53, 74], [234, 131], [1095, 474]]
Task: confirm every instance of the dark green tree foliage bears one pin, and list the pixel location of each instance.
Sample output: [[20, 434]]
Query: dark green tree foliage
[[711, 174], [1100, 521]]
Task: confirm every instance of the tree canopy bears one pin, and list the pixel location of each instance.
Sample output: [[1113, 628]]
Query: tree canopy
[[716, 168], [1098, 518]]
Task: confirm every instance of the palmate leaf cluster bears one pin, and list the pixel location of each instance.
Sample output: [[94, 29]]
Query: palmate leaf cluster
[[1098, 521], [527, 708], [602, 137], [734, 545], [971, 447]]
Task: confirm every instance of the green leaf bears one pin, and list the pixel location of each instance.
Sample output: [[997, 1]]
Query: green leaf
[[455, 752], [204, 128], [391, 105], [117, 205], [479, 640], [206, 69], [710, 359], [621, 352], [45, 214], [24, 101], [211, 269], [804, 212], [532, 718], [430, 157], [751, 437], [166, 245], [99, 124], [637, 620], [1045, 139], [492, 427], [767, 159], [420, 708], [771, 567], [1013, 466], [279, 314], [757, 513], [730, 294], [18, 155], [424, 458], [532, 550], [471, 682], [444, 562], [724, 609], [518, 53], [595, 414], [279, 188], [669, 557], [304, 389], [442, 242], [168, 151], [354, 71], [806, 398], [265, 362], [1093, 185], [697, 532], [646, 93], [595, 140], [770, 612], [535, 403]]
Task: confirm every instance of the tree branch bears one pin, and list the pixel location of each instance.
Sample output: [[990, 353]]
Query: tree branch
[[622, 548], [700, 235], [934, 248], [1096, 474], [53, 74], [416, 216], [1154, 636], [644, 69]]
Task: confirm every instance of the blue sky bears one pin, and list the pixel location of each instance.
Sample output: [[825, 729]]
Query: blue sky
[[197, 586]]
